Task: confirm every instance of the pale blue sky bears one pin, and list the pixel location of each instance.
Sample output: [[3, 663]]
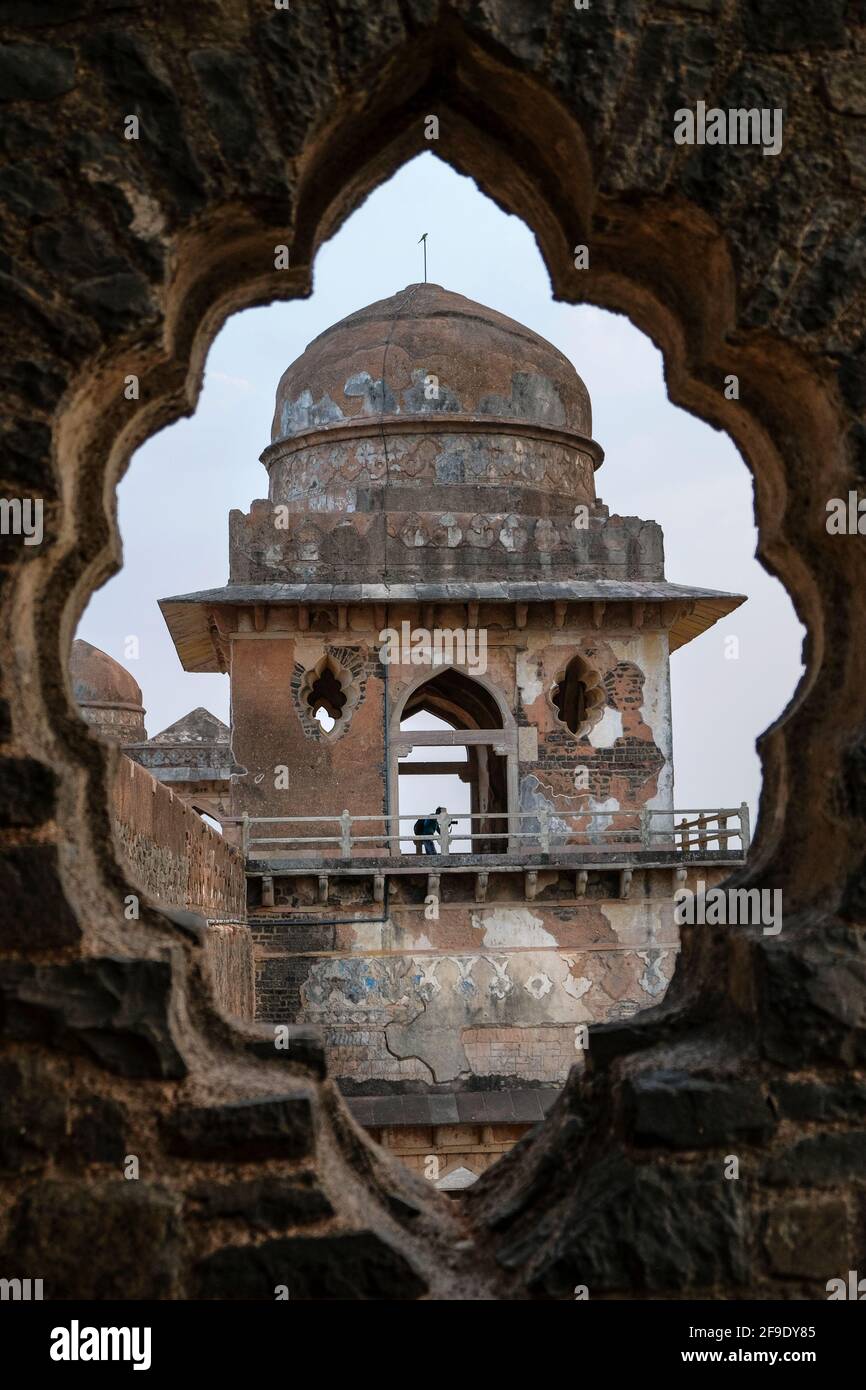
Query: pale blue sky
[[660, 463]]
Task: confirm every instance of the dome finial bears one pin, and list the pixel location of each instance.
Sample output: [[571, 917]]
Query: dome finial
[[424, 240]]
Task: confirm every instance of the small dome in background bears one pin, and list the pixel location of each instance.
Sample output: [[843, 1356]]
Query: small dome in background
[[108, 696]]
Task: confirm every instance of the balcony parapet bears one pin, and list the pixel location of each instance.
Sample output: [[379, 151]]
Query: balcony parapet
[[620, 836], [531, 844]]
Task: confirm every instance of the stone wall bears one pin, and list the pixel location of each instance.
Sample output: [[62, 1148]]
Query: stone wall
[[395, 992], [230, 953], [474, 1147], [178, 860], [625, 757], [124, 257], [171, 852], [483, 995], [472, 541]]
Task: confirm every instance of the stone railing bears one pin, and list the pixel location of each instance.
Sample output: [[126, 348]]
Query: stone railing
[[608, 835]]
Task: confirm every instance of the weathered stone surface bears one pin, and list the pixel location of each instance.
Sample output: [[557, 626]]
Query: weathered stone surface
[[98, 1132], [854, 144], [29, 874], [108, 1240], [805, 1239], [638, 1228], [272, 1127], [121, 299], [820, 977], [300, 72], [34, 72], [115, 1011], [32, 380], [305, 1047], [739, 263], [131, 76], [815, 1100], [821, 1160], [352, 1266], [180, 860], [32, 1116], [684, 1112], [26, 193], [228, 84], [793, 26], [265, 1204], [27, 789], [846, 87]]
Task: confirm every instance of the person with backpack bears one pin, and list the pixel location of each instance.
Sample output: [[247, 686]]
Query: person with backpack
[[428, 826]]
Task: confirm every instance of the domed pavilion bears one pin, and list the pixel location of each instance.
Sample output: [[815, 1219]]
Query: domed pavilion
[[433, 590]]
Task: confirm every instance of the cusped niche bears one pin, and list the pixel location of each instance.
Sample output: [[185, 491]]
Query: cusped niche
[[579, 697], [328, 694]]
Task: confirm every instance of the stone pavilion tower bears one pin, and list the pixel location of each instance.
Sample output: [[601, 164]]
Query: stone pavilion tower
[[432, 544]]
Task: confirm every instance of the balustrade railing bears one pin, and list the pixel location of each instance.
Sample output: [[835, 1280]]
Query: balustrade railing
[[543, 830]]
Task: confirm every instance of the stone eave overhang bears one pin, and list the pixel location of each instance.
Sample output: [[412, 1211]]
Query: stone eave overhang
[[190, 617], [190, 774], [430, 422]]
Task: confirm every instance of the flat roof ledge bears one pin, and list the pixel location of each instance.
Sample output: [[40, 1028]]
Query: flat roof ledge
[[188, 616]]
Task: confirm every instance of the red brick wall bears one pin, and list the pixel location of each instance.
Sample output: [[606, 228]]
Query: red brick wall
[[171, 852]]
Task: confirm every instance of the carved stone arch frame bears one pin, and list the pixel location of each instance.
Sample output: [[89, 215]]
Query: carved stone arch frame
[[349, 687], [669, 253], [594, 687]]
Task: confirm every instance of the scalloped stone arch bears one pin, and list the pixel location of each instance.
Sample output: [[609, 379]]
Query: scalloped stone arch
[[349, 689], [686, 274], [595, 696]]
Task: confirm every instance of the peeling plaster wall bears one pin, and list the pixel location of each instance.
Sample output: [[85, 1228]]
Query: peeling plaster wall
[[435, 1017], [627, 756], [356, 524], [478, 994], [398, 999]]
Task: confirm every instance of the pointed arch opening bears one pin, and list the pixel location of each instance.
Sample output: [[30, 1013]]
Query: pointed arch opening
[[453, 761], [579, 697]]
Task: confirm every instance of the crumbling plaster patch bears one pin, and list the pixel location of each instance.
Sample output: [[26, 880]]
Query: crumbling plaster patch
[[607, 730], [511, 926], [530, 676]]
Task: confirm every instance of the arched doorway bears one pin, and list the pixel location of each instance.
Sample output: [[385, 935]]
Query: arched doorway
[[451, 738]]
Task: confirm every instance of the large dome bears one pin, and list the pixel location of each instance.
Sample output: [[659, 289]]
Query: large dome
[[379, 361], [427, 402]]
